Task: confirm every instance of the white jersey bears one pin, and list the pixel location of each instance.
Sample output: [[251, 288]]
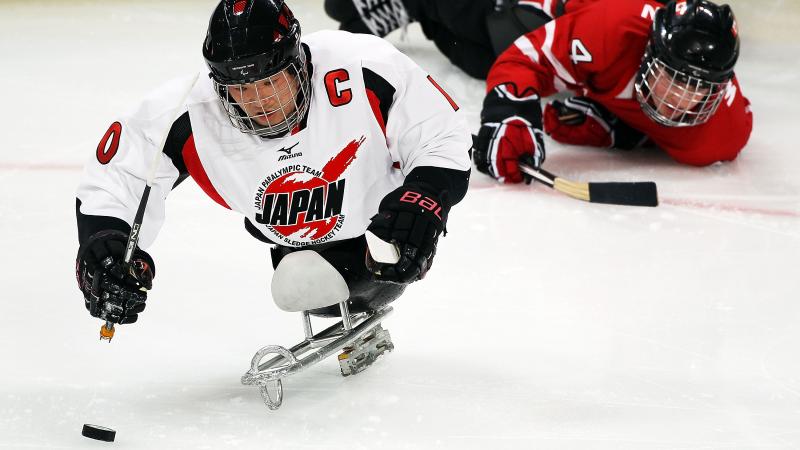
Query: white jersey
[[374, 116]]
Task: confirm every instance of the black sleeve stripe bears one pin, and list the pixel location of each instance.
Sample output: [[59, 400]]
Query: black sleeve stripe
[[89, 225], [178, 135], [382, 89]]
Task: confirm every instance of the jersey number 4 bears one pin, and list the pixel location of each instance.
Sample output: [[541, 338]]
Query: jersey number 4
[[579, 52]]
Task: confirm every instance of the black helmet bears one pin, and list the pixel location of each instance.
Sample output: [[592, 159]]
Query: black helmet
[[253, 40], [696, 44], [698, 38], [249, 40]]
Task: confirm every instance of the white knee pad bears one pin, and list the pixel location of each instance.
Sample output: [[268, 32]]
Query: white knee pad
[[304, 280]]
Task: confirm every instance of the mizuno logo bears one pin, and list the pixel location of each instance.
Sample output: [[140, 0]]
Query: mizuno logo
[[288, 150]]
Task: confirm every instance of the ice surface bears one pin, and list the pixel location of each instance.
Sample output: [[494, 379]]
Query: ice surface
[[545, 323]]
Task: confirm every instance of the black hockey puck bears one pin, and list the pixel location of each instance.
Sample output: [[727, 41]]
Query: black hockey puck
[[98, 432]]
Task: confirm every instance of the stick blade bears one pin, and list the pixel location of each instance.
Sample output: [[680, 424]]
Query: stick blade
[[642, 193]]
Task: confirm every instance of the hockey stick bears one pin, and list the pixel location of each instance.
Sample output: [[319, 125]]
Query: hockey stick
[[107, 330], [643, 193]]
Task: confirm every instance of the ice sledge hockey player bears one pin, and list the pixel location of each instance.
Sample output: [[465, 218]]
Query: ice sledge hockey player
[[471, 33], [313, 141], [642, 72]]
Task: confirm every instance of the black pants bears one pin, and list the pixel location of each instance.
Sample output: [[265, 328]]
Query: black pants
[[348, 257], [470, 33]]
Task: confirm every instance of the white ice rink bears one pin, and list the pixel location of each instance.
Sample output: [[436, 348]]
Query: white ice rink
[[546, 323]]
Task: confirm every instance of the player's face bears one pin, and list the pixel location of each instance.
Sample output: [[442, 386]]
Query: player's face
[[672, 97], [268, 102]]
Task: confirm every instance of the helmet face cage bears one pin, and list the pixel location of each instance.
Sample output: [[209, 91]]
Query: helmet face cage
[[271, 106], [674, 98]]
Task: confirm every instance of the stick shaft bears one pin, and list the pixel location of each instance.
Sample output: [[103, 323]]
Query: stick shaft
[[539, 175], [614, 193], [133, 236]]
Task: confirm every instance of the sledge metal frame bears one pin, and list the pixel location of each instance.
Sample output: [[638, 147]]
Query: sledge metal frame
[[268, 376]]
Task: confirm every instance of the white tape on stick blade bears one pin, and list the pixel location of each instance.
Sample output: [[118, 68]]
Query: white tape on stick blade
[[381, 251]]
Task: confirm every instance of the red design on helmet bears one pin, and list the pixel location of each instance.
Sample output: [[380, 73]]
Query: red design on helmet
[[238, 7], [283, 23]]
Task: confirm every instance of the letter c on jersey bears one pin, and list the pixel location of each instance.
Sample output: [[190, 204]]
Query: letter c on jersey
[[106, 150], [333, 79]]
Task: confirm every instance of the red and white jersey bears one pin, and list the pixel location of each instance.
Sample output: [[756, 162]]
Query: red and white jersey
[[595, 50], [374, 116]]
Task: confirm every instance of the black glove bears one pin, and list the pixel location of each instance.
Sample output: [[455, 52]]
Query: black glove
[[413, 218], [111, 292], [511, 129]]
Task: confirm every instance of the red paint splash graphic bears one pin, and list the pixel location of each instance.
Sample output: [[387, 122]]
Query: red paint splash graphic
[[290, 183]]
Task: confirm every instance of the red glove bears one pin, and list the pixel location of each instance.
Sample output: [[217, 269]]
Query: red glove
[[581, 121], [511, 129]]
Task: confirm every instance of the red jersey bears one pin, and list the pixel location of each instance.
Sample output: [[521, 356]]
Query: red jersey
[[595, 49]]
